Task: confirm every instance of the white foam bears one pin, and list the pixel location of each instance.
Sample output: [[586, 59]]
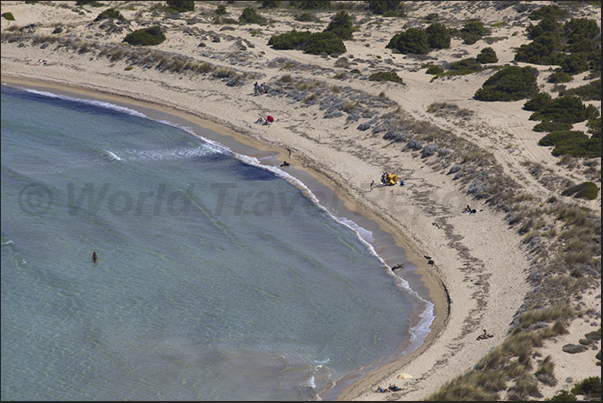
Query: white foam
[[100, 104], [112, 155]]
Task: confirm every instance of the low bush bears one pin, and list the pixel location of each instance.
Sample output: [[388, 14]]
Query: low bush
[[146, 37], [587, 92], [433, 70], [110, 13], [305, 17], [311, 5], [327, 42], [411, 41], [574, 143], [559, 77], [538, 102], [585, 190], [552, 10], [568, 109], [385, 76], [385, 7], [180, 6], [290, 40], [487, 55], [509, 84], [589, 386], [472, 32], [548, 126], [8, 16], [468, 66], [564, 396], [251, 16], [341, 25], [438, 36]]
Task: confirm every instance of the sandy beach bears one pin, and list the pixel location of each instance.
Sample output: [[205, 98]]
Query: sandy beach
[[475, 265]]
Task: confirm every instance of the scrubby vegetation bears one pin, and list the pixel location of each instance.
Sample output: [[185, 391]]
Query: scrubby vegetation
[[8, 16], [341, 25], [251, 16], [180, 6], [509, 84], [487, 55], [585, 190], [314, 43], [385, 76], [387, 8], [420, 41], [146, 37], [110, 13], [471, 32]]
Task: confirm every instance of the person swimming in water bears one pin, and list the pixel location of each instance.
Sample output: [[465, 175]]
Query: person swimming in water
[[94, 257]]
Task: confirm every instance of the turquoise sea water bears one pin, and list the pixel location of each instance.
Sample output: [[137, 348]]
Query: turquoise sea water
[[217, 279]]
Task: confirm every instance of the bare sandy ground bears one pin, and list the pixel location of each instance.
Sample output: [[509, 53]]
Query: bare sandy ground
[[478, 277]]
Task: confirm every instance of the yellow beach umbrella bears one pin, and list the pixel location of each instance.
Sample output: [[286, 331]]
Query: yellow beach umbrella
[[404, 376]]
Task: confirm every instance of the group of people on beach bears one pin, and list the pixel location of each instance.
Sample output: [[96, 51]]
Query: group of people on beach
[[390, 388], [260, 89]]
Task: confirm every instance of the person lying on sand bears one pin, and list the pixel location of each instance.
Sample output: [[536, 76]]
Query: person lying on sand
[[484, 336]]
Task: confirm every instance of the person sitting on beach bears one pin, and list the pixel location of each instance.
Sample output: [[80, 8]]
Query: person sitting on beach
[[381, 390], [484, 335], [394, 388], [467, 209]]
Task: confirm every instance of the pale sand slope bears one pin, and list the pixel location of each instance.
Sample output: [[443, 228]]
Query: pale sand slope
[[478, 257]]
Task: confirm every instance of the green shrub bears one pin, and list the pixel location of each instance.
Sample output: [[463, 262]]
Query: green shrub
[[271, 4], [311, 5], [548, 126], [146, 37], [589, 386], [305, 17], [559, 77], [509, 84], [110, 13], [8, 16], [568, 109], [92, 3], [548, 25], [538, 102], [290, 40], [578, 28], [385, 7], [438, 36], [585, 190], [412, 41], [251, 16], [543, 50], [575, 63], [487, 55], [221, 9], [341, 25], [594, 127], [574, 143], [564, 396], [385, 76], [472, 32], [469, 65], [327, 42], [433, 70], [180, 6], [587, 92], [552, 10]]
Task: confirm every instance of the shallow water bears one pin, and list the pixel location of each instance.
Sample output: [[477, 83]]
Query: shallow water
[[217, 279]]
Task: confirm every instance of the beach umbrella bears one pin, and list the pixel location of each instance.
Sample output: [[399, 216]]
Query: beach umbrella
[[404, 376], [270, 119]]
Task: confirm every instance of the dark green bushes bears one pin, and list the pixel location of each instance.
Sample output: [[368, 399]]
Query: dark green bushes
[[327, 42], [509, 84], [180, 6], [466, 66], [542, 12], [412, 41], [251, 16], [537, 102], [146, 37], [311, 5], [433, 70], [290, 40], [543, 50], [472, 32], [110, 13], [8, 16], [387, 8], [487, 55], [568, 109], [587, 92], [574, 143], [341, 25], [589, 386], [314, 43], [548, 126], [585, 190], [438, 36], [270, 4], [385, 76], [559, 77]]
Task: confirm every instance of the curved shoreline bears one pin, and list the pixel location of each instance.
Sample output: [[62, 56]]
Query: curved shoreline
[[437, 291]]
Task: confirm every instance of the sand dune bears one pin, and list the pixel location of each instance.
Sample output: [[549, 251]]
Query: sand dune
[[480, 264]]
